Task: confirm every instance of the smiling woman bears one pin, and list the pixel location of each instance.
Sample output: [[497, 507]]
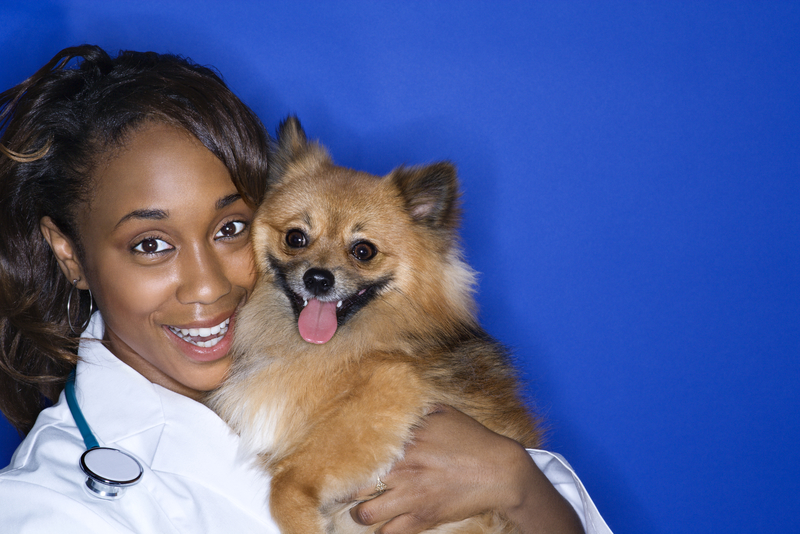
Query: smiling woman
[[130, 182]]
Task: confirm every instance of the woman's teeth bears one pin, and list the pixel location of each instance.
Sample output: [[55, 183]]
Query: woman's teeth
[[189, 334]]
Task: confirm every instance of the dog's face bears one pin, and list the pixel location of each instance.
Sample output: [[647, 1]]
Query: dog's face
[[335, 241], [331, 245]]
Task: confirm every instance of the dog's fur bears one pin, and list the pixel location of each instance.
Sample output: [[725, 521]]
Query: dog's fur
[[328, 418]]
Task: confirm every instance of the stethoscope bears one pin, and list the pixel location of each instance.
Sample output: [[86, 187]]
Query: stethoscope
[[109, 471]]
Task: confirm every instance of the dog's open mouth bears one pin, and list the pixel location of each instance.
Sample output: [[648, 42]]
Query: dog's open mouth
[[318, 320]]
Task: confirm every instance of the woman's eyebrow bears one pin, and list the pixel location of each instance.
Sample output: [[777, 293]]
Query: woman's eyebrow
[[154, 214], [227, 201]]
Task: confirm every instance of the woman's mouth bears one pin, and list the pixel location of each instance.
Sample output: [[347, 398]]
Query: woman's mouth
[[203, 337]]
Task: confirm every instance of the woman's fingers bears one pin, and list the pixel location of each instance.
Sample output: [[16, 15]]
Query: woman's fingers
[[399, 509], [442, 477]]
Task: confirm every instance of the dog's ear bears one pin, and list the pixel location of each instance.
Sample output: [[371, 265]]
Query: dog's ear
[[430, 194], [291, 147], [291, 138]]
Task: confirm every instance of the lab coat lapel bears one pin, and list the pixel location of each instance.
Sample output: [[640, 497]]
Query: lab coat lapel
[[118, 403], [198, 445]]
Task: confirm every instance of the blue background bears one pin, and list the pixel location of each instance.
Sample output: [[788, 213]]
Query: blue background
[[631, 177]]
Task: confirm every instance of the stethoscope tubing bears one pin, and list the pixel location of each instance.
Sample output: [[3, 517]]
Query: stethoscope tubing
[[77, 414]]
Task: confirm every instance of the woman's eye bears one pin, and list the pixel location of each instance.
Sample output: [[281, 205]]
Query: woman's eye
[[364, 251], [152, 245], [296, 239], [231, 229]]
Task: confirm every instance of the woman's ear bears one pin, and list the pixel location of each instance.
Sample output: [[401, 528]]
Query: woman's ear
[[65, 252]]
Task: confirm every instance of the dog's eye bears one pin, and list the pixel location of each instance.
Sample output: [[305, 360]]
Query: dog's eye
[[364, 251], [296, 239]]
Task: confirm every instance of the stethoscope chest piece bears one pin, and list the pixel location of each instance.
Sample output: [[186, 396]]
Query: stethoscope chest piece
[[110, 471]]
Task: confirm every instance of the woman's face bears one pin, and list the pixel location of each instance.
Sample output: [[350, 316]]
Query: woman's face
[[167, 257]]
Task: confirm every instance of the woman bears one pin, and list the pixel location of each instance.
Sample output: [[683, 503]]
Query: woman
[[129, 183]]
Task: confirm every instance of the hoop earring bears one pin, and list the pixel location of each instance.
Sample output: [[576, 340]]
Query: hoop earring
[[69, 302]]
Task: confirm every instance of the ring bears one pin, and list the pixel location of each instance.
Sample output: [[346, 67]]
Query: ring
[[380, 487]]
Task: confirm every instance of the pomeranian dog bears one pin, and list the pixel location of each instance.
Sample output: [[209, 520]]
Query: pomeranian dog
[[361, 323]]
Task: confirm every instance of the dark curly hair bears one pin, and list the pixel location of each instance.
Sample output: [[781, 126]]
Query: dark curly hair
[[55, 128]]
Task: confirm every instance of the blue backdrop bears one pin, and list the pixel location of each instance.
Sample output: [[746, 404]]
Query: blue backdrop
[[631, 176]]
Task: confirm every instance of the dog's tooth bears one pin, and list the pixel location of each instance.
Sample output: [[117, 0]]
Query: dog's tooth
[[339, 304], [184, 331], [305, 303]]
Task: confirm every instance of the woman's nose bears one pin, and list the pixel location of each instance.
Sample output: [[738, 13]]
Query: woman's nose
[[203, 279]]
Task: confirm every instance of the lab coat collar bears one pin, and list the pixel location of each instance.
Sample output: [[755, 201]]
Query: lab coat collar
[[165, 430]]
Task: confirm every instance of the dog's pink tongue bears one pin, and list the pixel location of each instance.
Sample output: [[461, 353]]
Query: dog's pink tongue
[[317, 322]]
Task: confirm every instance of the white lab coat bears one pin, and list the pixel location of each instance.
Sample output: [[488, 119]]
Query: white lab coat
[[196, 479]]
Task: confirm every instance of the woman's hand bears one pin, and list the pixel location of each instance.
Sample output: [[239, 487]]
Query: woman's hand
[[456, 468]]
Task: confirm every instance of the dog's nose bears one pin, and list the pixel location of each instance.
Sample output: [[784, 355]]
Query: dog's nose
[[318, 281]]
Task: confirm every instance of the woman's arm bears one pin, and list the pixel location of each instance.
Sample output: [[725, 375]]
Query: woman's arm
[[456, 468]]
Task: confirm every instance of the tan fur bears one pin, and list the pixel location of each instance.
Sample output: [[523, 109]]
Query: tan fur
[[328, 419]]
